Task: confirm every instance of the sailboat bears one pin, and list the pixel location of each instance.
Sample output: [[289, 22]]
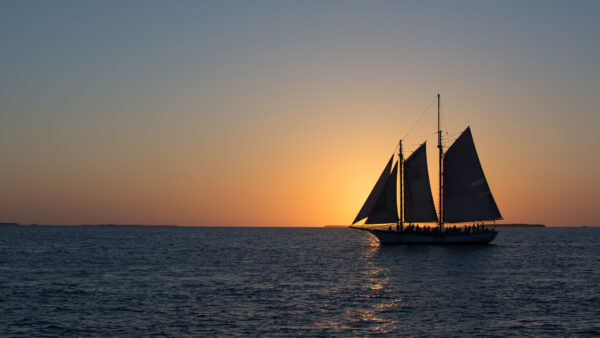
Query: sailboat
[[464, 197]]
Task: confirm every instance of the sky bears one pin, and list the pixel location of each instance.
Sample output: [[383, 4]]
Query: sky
[[284, 113]]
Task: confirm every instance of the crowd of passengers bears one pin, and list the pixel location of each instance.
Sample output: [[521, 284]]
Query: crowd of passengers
[[467, 229]]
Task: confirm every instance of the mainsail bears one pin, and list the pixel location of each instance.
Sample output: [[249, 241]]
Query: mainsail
[[366, 209], [418, 201], [467, 196], [385, 209]]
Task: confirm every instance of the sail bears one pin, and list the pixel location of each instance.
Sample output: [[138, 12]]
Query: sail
[[385, 209], [467, 196], [418, 201], [366, 209]]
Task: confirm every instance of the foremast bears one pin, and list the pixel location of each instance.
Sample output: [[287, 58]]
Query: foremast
[[441, 152], [400, 224]]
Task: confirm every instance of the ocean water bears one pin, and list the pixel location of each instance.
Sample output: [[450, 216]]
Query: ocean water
[[123, 281]]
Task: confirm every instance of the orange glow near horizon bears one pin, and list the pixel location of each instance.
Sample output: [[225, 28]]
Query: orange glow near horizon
[[310, 175]]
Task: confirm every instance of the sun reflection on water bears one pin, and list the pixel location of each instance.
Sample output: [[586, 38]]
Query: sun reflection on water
[[378, 306]]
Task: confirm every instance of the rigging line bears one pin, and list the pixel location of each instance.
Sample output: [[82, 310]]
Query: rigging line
[[396, 147], [413, 145], [420, 136], [423, 114], [454, 133], [444, 118], [453, 139]]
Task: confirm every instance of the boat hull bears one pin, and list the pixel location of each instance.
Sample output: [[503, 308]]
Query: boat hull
[[394, 237]]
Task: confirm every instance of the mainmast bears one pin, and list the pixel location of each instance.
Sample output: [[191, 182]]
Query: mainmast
[[441, 222], [400, 225]]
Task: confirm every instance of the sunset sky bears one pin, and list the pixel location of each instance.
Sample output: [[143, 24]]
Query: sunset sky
[[284, 113]]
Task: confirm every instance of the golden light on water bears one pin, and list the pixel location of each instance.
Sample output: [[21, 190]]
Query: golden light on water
[[376, 293]]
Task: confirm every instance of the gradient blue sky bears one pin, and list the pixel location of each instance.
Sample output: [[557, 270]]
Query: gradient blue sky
[[284, 113]]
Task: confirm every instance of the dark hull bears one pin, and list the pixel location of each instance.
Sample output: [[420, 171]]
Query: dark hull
[[394, 237]]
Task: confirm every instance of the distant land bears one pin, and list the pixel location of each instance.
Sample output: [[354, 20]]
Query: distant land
[[503, 225], [517, 225], [128, 225], [94, 225]]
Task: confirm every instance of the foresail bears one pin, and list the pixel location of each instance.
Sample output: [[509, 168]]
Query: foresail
[[467, 196], [385, 209], [418, 201], [366, 209]]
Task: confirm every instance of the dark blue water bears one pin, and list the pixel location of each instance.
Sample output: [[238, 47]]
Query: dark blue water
[[78, 281]]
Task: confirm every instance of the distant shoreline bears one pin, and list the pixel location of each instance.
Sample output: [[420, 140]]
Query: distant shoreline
[[93, 225], [518, 225], [128, 225]]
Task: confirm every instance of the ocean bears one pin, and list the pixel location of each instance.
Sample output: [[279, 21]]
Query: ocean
[[141, 281]]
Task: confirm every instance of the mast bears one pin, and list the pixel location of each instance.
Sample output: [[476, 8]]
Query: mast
[[400, 225], [441, 222]]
